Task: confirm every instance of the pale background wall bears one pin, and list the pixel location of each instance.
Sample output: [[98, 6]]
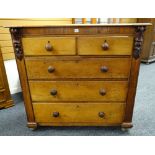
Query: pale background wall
[[12, 75]]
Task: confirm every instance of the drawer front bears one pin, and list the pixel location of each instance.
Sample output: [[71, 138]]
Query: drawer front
[[78, 90], [105, 45], [49, 46], [49, 68], [68, 112]]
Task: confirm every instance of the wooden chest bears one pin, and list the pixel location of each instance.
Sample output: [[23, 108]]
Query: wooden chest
[[79, 75], [5, 97]]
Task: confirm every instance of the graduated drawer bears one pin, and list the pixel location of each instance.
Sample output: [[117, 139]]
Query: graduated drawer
[[78, 90], [106, 113], [51, 68], [105, 45], [49, 46]]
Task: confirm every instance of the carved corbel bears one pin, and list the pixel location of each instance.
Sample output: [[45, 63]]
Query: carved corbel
[[138, 41], [16, 39]]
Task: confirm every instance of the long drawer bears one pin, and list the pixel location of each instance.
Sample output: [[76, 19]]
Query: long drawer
[[51, 68], [105, 45], [49, 46], [74, 113], [78, 90]]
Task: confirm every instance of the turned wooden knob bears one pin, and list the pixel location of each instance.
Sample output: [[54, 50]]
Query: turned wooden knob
[[101, 114], [48, 46], [105, 46], [53, 92], [104, 69], [51, 69], [55, 114], [102, 92]]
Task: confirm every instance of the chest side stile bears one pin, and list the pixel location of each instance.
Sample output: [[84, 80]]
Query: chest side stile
[[134, 72], [18, 49]]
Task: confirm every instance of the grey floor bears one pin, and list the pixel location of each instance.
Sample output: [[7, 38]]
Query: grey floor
[[13, 120]]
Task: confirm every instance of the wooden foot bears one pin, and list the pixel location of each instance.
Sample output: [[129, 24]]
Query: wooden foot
[[32, 125], [126, 126]]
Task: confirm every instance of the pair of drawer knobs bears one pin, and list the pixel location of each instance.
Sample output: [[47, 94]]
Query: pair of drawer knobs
[[100, 114], [49, 47], [104, 69], [101, 92]]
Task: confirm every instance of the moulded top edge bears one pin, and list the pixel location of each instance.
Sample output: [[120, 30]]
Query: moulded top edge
[[79, 25]]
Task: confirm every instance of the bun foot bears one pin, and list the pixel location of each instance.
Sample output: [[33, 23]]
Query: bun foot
[[32, 125], [126, 126]]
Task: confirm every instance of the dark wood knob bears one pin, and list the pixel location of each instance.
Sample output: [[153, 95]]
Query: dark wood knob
[[53, 92], [48, 46], [51, 69], [104, 69], [105, 45], [102, 92], [101, 114], [55, 114]]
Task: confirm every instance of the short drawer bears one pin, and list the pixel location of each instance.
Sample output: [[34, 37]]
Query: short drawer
[[51, 68], [78, 90], [49, 46], [79, 113], [105, 45]]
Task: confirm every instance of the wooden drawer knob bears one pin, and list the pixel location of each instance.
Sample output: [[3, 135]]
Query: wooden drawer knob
[[48, 46], [51, 69], [53, 92], [105, 46], [102, 92], [104, 69], [101, 114], [55, 114]]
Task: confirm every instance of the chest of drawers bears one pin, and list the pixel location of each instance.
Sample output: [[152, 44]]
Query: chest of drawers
[[78, 75], [5, 97]]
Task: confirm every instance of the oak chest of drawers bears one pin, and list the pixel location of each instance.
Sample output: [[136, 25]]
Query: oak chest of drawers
[[5, 96], [78, 75]]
